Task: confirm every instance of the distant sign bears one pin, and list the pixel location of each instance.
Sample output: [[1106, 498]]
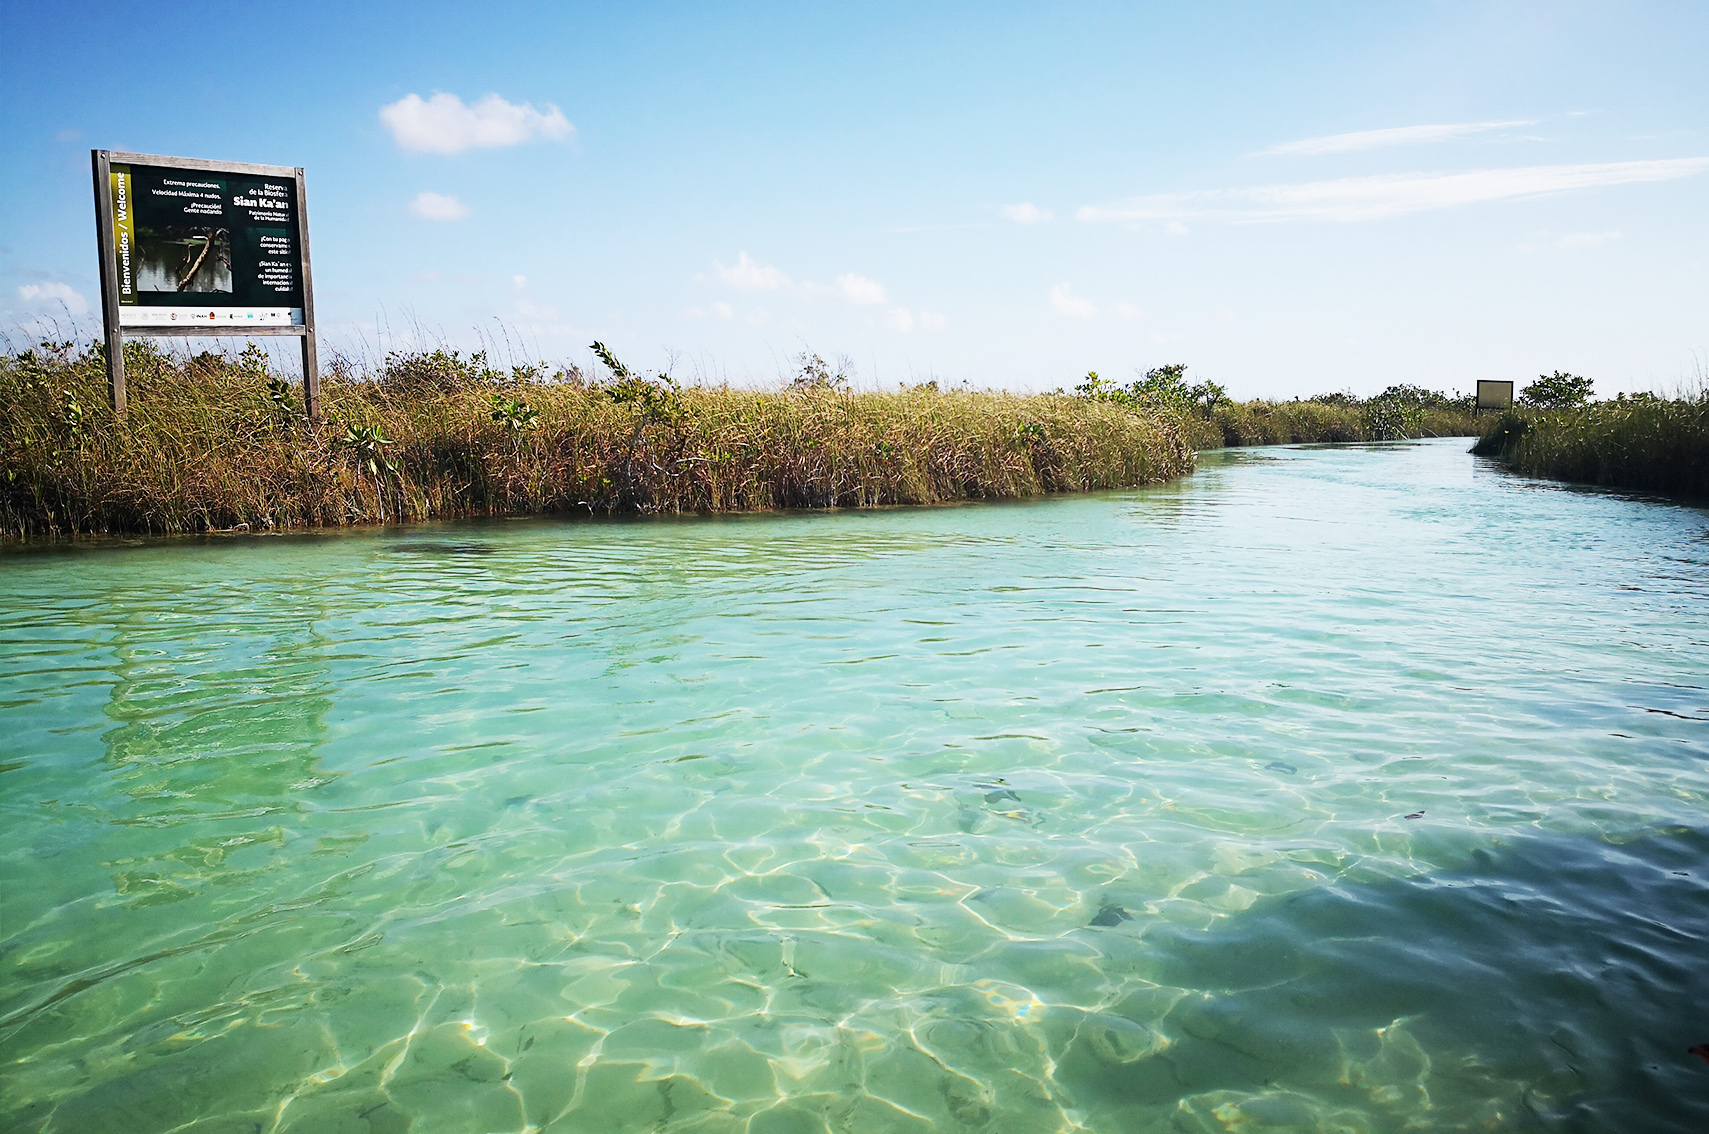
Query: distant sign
[[1494, 395], [193, 247]]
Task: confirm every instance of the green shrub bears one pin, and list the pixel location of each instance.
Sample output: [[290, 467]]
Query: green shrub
[[1556, 391]]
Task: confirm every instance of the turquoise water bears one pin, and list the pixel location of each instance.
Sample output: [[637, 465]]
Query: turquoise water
[[1353, 789]]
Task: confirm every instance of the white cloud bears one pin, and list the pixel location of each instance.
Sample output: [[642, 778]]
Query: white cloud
[[1395, 136], [746, 275], [518, 282], [1175, 228], [722, 311], [1026, 213], [438, 206], [933, 321], [1389, 195], [860, 290], [443, 125], [1065, 301], [900, 319], [1128, 311], [52, 294], [1587, 239]]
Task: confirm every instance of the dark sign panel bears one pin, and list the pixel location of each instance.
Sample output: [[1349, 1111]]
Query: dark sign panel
[[203, 247]]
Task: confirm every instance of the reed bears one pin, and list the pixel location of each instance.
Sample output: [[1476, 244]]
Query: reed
[[214, 442], [1644, 442]]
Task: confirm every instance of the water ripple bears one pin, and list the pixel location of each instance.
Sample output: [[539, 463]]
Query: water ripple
[[1330, 789]]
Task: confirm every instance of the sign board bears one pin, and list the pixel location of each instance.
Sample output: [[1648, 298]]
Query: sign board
[[1494, 395], [192, 247]]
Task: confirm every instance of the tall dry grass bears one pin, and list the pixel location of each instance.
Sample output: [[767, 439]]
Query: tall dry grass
[[213, 442]]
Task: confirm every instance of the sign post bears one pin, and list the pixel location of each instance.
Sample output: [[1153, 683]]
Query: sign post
[[194, 247]]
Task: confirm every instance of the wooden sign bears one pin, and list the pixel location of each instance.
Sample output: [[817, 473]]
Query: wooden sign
[[191, 247], [1494, 395]]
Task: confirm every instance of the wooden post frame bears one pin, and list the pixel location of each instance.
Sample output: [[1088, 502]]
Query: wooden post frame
[[277, 261]]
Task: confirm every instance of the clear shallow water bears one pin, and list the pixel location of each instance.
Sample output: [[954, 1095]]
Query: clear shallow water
[[1087, 814]]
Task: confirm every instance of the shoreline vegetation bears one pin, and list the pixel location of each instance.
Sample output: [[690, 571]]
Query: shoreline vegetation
[[1635, 441], [218, 442]]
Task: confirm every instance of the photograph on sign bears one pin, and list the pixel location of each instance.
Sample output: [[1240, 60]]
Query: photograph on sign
[[205, 247]]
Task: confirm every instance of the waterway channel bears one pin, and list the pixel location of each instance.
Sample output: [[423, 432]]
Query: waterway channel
[[1339, 789]]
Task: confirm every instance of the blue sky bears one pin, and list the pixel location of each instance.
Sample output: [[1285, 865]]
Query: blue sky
[[1290, 198]]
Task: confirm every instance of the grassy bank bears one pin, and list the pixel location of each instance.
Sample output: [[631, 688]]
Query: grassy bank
[[1211, 420], [1310, 421], [215, 442], [1643, 442], [218, 442]]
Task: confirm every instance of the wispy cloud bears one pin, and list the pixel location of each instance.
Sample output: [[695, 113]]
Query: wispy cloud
[[903, 320], [1587, 239], [51, 293], [444, 125], [1388, 195], [748, 275], [860, 290], [1394, 136], [1062, 298], [438, 207], [1026, 213]]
